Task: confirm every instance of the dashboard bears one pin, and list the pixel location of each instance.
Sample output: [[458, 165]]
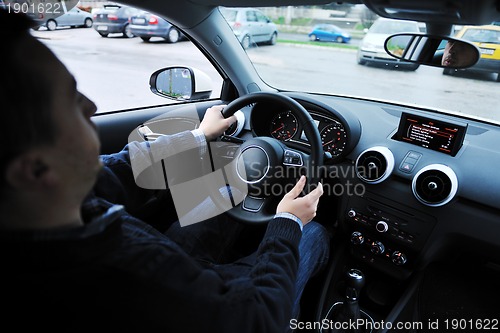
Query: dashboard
[[428, 177], [428, 184]]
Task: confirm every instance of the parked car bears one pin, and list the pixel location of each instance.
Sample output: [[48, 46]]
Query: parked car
[[114, 18], [74, 17], [329, 33], [251, 26], [146, 25], [487, 39], [371, 48]]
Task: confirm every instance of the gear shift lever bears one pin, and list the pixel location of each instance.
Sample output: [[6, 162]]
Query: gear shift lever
[[355, 280], [349, 311]]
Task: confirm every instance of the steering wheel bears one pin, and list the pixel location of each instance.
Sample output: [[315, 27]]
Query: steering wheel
[[262, 164]]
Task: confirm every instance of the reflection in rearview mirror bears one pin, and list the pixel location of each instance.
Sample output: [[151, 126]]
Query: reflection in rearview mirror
[[175, 83], [432, 50]]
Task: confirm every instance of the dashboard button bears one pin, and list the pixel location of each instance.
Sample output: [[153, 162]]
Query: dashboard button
[[406, 167], [381, 226], [413, 154]]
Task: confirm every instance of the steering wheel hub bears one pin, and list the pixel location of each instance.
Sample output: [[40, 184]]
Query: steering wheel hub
[[258, 161], [252, 164]]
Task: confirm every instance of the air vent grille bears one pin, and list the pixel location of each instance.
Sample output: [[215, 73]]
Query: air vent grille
[[232, 129], [375, 164], [435, 185], [237, 126]]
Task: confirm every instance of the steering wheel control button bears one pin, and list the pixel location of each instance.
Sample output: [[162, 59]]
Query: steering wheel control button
[[292, 158], [409, 162]]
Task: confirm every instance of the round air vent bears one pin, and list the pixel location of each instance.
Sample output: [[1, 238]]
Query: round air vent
[[435, 185], [375, 164], [237, 126]]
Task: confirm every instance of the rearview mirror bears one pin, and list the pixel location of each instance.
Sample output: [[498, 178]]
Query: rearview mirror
[[430, 50], [181, 83]]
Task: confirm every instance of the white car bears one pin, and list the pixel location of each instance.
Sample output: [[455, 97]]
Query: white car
[[371, 49], [250, 26], [74, 17]]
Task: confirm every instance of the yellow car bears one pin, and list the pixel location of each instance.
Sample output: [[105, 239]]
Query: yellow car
[[487, 39]]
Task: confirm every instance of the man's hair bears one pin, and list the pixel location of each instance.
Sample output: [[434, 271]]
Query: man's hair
[[25, 96]]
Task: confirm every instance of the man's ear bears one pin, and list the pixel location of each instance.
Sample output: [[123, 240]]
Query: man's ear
[[29, 171]]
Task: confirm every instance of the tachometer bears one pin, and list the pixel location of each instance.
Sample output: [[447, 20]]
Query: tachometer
[[283, 126], [334, 138]]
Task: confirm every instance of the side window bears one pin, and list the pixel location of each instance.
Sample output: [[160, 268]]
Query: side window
[[261, 17], [114, 71], [251, 17]]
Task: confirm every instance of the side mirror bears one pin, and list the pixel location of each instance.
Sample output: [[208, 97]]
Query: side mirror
[[430, 50], [181, 83]]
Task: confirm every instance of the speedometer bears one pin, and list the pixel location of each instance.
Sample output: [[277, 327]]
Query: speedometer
[[334, 138], [284, 126]]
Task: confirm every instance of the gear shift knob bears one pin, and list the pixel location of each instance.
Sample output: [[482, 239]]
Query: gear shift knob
[[355, 279]]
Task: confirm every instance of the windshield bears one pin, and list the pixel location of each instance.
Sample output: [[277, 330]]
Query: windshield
[[361, 67], [482, 36], [393, 27], [109, 61], [229, 14]]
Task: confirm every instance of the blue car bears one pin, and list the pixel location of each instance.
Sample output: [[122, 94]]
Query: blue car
[[114, 18], [329, 33]]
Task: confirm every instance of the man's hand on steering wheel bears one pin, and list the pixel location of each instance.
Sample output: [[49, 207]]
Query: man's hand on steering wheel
[[214, 124], [304, 207]]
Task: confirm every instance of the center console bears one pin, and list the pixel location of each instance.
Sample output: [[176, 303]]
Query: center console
[[383, 236]]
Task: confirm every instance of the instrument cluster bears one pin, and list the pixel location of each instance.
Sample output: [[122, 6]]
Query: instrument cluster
[[284, 126]]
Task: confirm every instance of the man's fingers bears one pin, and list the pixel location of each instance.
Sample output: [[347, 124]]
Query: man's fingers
[[231, 120], [297, 189], [315, 194]]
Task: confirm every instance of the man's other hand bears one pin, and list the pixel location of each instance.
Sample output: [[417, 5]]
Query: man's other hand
[[304, 207]]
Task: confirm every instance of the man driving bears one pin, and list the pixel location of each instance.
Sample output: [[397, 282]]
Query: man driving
[[73, 260]]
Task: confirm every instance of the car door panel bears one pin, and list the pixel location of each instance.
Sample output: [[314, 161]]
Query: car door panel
[[114, 128]]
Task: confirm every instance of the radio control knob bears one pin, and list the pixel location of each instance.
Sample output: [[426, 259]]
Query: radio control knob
[[351, 213], [357, 238], [377, 247], [398, 258], [381, 226]]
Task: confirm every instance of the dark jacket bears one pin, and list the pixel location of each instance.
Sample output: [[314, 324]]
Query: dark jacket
[[120, 274]]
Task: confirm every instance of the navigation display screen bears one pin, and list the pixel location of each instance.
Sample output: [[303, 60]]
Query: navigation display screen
[[431, 134]]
